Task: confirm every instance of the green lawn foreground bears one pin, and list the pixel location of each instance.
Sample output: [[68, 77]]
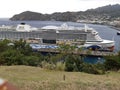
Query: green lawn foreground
[[35, 78]]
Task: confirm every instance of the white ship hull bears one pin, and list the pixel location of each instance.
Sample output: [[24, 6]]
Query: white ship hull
[[102, 45]]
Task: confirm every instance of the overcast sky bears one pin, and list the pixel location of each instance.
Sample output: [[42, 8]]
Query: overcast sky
[[10, 7]]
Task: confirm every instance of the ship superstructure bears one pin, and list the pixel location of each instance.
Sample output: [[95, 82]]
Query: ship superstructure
[[55, 35]]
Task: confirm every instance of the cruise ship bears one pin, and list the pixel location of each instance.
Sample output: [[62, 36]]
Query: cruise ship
[[55, 35]]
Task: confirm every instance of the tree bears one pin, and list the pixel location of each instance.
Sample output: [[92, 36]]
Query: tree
[[11, 57], [4, 45], [73, 63], [69, 63], [23, 47]]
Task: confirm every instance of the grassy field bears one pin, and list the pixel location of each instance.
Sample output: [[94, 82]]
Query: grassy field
[[35, 78]]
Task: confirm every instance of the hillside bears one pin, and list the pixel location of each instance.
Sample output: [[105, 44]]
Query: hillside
[[35, 78], [109, 12]]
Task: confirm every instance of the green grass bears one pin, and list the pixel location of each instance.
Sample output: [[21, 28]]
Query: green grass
[[35, 78]]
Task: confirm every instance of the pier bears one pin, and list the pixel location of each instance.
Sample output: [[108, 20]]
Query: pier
[[82, 52]]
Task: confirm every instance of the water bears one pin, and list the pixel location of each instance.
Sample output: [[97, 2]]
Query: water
[[104, 31], [94, 59]]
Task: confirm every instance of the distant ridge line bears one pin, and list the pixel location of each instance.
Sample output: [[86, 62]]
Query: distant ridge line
[[108, 12]]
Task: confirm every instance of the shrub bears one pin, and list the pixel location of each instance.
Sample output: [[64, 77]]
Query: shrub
[[112, 64], [69, 63], [47, 65], [11, 57], [60, 66], [32, 60], [92, 69], [73, 63]]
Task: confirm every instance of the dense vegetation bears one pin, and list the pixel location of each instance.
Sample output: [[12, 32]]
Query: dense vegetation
[[20, 53]]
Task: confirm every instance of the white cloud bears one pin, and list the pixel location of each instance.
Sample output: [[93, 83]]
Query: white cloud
[[10, 7]]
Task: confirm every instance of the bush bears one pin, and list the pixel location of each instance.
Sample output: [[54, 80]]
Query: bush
[[60, 66], [69, 63], [92, 69], [11, 57], [112, 64], [32, 60], [73, 63], [47, 65]]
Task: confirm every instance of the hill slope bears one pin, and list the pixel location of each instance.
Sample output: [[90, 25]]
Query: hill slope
[[108, 12], [35, 78]]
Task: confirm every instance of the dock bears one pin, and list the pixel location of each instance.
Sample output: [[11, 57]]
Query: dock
[[83, 52]]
